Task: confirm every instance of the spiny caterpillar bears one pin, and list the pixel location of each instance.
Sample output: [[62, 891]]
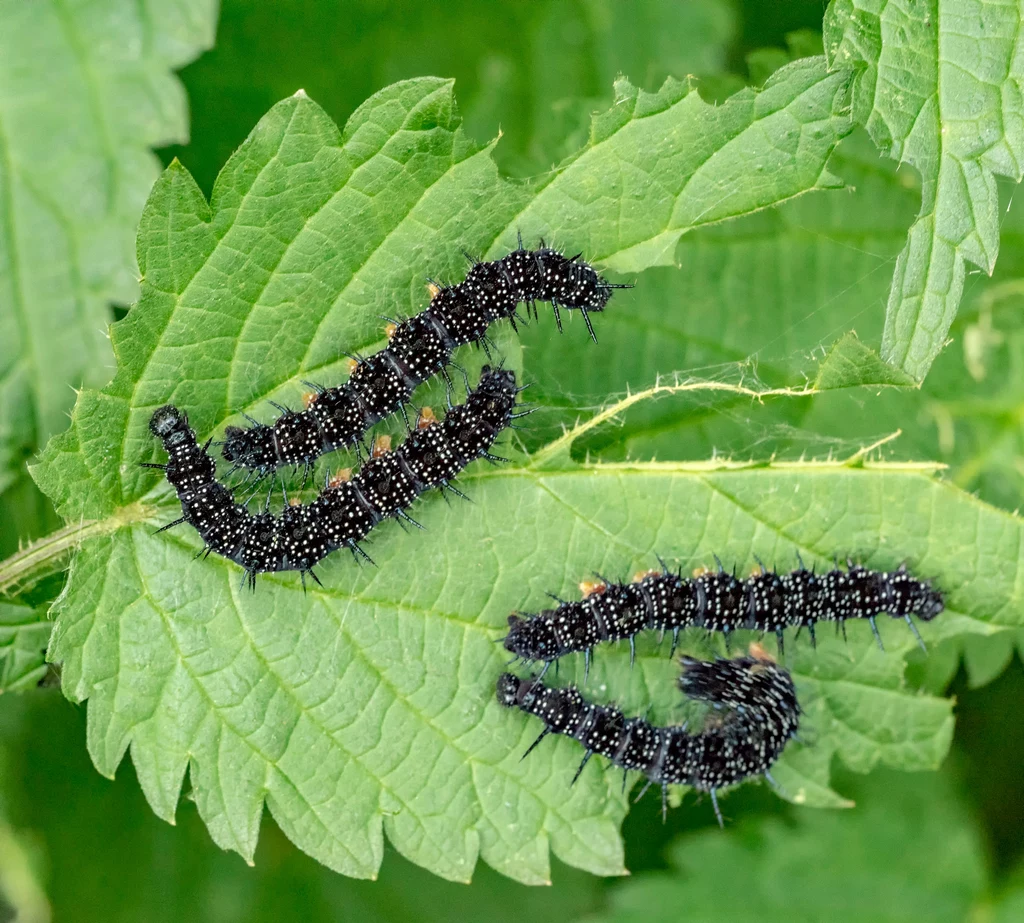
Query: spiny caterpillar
[[348, 507], [418, 349], [755, 714], [718, 601]]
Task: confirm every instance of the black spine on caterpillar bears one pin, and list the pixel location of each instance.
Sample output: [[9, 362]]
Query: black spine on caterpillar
[[418, 349], [345, 511], [755, 714], [720, 602]]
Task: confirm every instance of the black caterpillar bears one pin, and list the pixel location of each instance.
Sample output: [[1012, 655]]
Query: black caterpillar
[[418, 349], [346, 509], [756, 714], [718, 601]]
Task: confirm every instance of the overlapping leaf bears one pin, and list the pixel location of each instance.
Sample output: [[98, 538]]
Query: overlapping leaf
[[24, 633], [85, 91], [367, 707], [941, 88]]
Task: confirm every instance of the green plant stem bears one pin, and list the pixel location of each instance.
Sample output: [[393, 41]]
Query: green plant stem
[[48, 554]]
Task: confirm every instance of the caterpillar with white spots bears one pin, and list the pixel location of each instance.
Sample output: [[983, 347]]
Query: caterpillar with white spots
[[718, 601], [348, 507], [418, 349], [754, 714]]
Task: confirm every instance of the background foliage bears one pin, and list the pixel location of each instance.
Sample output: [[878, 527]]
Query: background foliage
[[816, 267]]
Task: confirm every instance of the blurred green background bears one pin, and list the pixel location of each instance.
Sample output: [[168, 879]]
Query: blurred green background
[[535, 70]]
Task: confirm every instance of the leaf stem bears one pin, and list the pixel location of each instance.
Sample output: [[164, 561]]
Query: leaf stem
[[562, 444], [47, 555]]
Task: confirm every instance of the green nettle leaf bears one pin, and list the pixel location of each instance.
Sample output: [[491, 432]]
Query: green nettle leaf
[[85, 91], [940, 88], [850, 364], [24, 633], [880, 864], [367, 706]]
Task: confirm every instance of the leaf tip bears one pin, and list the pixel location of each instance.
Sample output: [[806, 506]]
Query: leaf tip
[[300, 94]]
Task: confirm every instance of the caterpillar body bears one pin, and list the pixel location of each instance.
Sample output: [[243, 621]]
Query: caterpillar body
[[718, 601], [755, 713], [347, 508], [418, 349]]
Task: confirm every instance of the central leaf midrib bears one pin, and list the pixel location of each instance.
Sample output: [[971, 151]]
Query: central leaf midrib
[[315, 592], [538, 478]]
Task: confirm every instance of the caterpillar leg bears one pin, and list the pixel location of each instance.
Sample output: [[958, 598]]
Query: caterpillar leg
[[718, 810], [878, 637], [583, 763], [917, 634], [530, 748]]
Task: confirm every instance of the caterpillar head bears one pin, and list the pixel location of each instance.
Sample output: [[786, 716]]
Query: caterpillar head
[[928, 602], [914, 597], [531, 638], [497, 382], [508, 690], [166, 420]]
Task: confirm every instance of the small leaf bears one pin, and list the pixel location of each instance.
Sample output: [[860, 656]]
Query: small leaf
[[986, 657], [24, 634], [849, 363], [939, 88]]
